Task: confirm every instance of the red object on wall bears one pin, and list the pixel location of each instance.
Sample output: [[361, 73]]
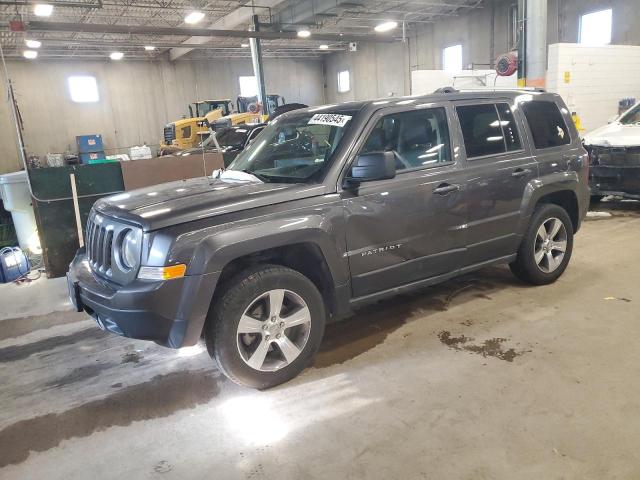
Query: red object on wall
[[17, 26], [507, 64]]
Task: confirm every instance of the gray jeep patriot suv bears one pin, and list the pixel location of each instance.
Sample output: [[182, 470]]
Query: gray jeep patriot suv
[[329, 208]]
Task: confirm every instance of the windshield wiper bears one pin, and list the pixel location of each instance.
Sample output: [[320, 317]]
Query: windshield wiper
[[259, 176]]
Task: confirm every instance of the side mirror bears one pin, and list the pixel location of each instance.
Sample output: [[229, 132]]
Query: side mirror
[[373, 166]]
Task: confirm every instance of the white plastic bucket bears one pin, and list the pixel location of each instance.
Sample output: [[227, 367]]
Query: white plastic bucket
[[14, 190]]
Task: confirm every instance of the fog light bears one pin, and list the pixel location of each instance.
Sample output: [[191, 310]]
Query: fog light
[[162, 273]]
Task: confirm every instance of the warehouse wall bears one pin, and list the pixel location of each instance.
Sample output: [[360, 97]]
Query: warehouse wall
[[483, 33], [136, 99]]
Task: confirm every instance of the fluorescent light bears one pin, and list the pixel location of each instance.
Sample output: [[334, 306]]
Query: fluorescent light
[[386, 26], [304, 33], [43, 10], [149, 48], [194, 17], [323, 47], [116, 56], [30, 54], [33, 43], [244, 45]]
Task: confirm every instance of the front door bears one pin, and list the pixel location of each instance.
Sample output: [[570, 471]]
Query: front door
[[408, 228]]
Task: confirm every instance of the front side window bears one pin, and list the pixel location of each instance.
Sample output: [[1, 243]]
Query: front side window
[[547, 125], [418, 139], [296, 148], [232, 137], [632, 117]]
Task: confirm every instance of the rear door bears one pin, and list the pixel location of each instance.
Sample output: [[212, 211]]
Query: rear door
[[408, 228], [499, 166]]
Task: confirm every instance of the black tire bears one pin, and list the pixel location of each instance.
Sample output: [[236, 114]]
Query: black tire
[[525, 266], [596, 198], [240, 293]]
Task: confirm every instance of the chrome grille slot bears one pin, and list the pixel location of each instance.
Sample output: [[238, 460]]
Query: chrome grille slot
[[99, 244], [102, 236], [108, 244]]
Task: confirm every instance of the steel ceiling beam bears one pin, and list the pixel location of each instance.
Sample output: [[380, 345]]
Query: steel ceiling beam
[[39, 26]]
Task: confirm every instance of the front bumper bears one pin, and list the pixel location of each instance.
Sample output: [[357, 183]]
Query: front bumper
[[170, 313]]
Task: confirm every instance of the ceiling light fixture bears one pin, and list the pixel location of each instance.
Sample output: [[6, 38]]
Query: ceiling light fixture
[[43, 9], [324, 47], [304, 33], [116, 56], [149, 48], [386, 26], [33, 43], [30, 54], [194, 17]]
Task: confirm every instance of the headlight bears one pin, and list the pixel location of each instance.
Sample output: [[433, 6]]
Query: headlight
[[130, 250]]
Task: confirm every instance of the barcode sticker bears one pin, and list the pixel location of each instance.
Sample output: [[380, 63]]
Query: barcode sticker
[[329, 119]]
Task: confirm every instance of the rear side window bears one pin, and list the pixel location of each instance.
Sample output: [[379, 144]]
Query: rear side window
[[547, 125], [418, 139], [488, 129]]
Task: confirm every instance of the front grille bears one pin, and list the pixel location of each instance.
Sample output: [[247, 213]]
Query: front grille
[[615, 156], [169, 133], [99, 243]]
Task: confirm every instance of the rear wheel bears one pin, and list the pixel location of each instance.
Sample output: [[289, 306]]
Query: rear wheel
[[546, 248], [266, 326]]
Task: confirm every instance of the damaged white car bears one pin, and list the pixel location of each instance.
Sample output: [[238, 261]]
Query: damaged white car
[[614, 150]]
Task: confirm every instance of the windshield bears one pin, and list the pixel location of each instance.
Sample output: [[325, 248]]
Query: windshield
[[294, 149], [632, 117]]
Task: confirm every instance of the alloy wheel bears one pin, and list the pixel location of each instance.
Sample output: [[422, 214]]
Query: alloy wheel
[[550, 245], [273, 330]]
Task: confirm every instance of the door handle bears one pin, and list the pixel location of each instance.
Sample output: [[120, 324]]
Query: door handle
[[446, 188], [520, 172]]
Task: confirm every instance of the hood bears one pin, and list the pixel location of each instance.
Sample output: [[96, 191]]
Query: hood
[[614, 134], [183, 201]]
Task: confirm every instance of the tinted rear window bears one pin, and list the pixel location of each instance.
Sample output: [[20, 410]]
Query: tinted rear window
[[488, 129], [546, 123]]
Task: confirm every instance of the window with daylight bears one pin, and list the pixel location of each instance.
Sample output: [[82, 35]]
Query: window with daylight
[[452, 58], [248, 86], [83, 89], [344, 81], [595, 28]]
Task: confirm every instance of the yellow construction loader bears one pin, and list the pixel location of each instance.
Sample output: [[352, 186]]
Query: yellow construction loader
[[187, 132]]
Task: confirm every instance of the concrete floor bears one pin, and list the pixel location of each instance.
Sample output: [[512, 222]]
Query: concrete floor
[[479, 378]]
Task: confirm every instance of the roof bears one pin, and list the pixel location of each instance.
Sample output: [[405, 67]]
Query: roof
[[467, 94]]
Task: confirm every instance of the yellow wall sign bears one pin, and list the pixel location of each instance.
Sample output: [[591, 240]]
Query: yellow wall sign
[[567, 77]]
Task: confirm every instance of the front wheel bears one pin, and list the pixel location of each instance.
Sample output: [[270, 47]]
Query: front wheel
[[266, 327], [546, 248]]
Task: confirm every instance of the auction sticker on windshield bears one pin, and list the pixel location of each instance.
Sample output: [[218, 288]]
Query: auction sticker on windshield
[[331, 119]]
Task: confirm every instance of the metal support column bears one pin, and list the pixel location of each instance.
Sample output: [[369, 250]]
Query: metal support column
[[256, 58], [536, 42], [522, 42]]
